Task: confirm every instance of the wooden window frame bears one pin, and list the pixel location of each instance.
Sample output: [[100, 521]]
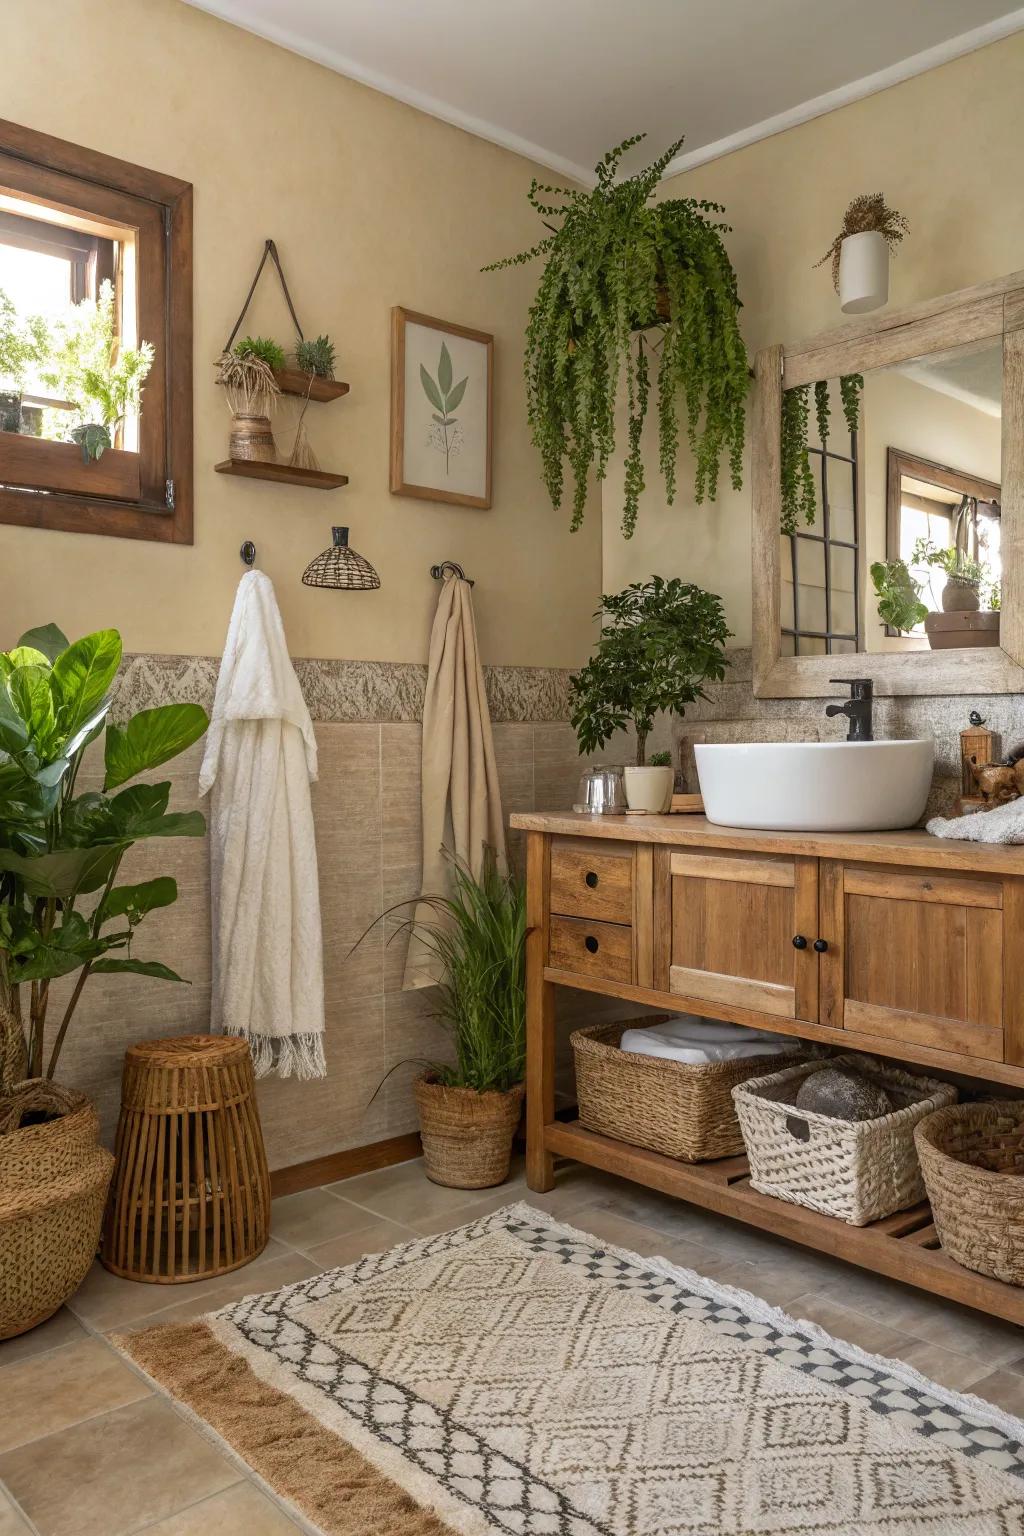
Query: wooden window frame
[[145, 495], [989, 311]]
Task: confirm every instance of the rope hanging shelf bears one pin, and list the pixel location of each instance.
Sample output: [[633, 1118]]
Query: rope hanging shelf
[[290, 381]]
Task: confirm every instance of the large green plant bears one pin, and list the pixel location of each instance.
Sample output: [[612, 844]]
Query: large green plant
[[23, 343], [88, 366], [661, 641], [617, 265], [478, 936], [61, 910]]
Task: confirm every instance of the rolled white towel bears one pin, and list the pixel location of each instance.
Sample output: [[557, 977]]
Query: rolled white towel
[[693, 1040]]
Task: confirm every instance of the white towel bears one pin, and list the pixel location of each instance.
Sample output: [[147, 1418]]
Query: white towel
[[693, 1040], [268, 973], [1004, 824]]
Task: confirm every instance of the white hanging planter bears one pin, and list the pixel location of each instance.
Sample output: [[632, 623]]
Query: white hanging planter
[[863, 273]]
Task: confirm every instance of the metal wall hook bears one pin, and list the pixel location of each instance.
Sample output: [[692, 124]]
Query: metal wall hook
[[439, 572], [248, 552]]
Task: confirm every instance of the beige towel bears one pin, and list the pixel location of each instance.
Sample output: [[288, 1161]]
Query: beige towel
[[461, 801]]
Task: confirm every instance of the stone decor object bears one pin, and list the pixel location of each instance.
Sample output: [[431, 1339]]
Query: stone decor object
[[844, 1095]]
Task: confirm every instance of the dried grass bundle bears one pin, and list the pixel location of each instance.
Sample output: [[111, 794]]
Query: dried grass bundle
[[302, 455], [248, 383], [868, 212]]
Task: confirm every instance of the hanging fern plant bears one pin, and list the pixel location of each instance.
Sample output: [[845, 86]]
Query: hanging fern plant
[[799, 501], [616, 266]]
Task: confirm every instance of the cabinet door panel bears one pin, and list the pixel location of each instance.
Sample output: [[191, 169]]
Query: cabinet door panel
[[916, 957], [733, 921]]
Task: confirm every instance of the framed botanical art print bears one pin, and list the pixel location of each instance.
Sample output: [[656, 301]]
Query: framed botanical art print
[[441, 397]]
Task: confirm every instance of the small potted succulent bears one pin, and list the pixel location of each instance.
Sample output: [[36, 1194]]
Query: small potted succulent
[[859, 255], [661, 641]]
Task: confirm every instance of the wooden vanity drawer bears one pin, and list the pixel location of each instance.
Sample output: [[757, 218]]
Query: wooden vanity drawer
[[591, 949], [591, 878]]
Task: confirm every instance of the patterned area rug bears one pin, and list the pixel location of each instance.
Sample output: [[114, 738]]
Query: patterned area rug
[[520, 1378]]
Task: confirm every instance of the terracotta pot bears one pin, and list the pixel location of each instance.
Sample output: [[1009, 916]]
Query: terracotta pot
[[53, 1187], [961, 630], [252, 437], [467, 1136], [960, 597]]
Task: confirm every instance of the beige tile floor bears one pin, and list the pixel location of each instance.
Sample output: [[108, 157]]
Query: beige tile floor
[[87, 1449]]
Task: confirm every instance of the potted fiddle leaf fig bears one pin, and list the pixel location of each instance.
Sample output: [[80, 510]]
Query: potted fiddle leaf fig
[[616, 265], [661, 641], [63, 919]]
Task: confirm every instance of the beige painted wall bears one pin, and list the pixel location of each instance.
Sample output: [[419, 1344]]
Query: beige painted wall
[[372, 204], [941, 148]]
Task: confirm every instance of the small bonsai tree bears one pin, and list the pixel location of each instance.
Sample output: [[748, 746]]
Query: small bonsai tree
[[61, 911], [661, 641]]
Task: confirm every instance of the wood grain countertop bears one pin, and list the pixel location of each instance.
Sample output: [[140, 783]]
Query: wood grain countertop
[[910, 847]]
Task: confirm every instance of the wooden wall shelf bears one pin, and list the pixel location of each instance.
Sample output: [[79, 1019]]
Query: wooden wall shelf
[[292, 381], [282, 474]]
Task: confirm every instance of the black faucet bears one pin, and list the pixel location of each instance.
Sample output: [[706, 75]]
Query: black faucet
[[857, 708]]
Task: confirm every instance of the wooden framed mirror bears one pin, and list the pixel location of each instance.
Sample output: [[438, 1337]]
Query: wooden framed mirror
[[909, 434]]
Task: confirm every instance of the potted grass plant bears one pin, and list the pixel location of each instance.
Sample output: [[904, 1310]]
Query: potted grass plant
[[616, 265], [661, 641], [469, 1107], [63, 919]]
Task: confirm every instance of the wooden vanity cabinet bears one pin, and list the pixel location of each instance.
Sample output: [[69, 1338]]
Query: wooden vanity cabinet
[[896, 944]]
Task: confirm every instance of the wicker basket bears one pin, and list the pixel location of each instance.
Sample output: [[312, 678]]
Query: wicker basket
[[969, 1154], [53, 1185], [681, 1110], [860, 1170], [467, 1136]]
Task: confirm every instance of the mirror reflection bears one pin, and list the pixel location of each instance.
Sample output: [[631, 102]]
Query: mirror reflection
[[891, 507]]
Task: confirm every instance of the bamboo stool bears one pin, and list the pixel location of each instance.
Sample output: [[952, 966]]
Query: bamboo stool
[[191, 1193]]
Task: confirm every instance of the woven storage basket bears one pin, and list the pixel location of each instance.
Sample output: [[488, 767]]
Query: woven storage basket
[[969, 1155], [467, 1136], [671, 1107], [53, 1185], [860, 1170]]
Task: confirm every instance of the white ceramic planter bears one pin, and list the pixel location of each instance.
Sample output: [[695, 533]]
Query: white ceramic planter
[[649, 789], [863, 273]]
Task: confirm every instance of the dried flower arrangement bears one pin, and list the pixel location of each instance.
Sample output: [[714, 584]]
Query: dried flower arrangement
[[869, 212], [248, 381]]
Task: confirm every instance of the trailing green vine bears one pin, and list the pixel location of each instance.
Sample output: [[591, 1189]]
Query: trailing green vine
[[799, 499], [617, 265]]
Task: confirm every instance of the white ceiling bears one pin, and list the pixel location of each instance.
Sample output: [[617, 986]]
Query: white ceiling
[[563, 80]]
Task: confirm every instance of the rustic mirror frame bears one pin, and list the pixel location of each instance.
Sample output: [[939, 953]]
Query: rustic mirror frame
[[984, 313]]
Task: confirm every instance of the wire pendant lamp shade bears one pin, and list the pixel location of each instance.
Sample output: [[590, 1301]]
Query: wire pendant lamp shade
[[341, 568]]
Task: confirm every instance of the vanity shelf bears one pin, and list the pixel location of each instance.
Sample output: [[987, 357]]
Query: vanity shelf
[[282, 474], [897, 944]]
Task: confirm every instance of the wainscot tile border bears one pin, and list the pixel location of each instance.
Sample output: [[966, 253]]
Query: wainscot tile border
[[385, 691]]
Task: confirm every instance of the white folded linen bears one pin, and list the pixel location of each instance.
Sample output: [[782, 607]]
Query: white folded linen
[[693, 1040]]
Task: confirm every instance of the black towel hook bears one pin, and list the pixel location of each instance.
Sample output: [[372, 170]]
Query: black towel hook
[[248, 552], [439, 572]]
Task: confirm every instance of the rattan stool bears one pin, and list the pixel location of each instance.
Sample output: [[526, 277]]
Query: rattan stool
[[191, 1192]]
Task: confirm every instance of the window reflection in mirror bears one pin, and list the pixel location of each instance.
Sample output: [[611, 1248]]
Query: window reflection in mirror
[[895, 527]]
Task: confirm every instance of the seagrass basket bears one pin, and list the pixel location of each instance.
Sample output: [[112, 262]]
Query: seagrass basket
[[53, 1185], [972, 1157], [857, 1170], [467, 1136], [681, 1110]]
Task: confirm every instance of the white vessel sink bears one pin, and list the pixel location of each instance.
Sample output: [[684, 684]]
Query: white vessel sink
[[817, 786]]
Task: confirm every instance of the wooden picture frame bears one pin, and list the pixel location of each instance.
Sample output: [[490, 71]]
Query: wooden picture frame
[[410, 469], [990, 311]]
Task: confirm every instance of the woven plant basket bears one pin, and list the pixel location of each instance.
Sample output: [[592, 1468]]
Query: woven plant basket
[[972, 1156], [670, 1107], [53, 1186], [859, 1170], [467, 1136]]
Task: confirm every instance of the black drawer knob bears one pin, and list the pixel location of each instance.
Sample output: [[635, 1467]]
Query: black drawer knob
[[591, 878], [591, 944], [799, 942], [821, 945]]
